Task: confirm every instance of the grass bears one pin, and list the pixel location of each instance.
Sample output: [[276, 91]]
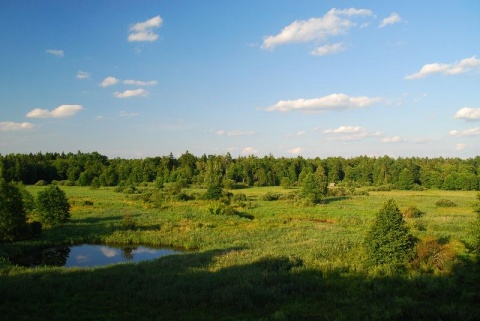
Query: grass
[[277, 261]]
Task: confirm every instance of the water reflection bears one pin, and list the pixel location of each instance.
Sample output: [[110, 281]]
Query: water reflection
[[87, 255]]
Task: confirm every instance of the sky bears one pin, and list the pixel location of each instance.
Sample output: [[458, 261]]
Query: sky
[[136, 79]]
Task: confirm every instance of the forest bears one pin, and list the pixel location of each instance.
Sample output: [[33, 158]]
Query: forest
[[94, 169]]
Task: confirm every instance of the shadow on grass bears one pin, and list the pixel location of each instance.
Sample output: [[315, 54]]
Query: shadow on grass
[[329, 200], [183, 287]]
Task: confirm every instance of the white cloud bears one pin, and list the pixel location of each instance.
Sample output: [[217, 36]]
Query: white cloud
[[59, 112], [460, 146], [349, 133], [249, 150], [6, 126], [334, 22], [143, 31], [109, 81], [394, 139], [390, 20], [329, 102], [344, 130], [328, 49], [455, 68], [468, 113], [467, 132], [130, 93], [234, 133], [56, 52], [139, 82], [82, 75], [295, 151]]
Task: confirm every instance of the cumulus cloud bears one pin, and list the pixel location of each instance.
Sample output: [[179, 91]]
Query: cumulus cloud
[[390, 20], [82, 75], [139, 82], [109, 81], [130, 93], [59, 112], [56, 52], [394, 139], [6, 126], [467, 132], [328, 49], [349, 133], [295, 151], [329, 102], [458, 67], [249, 150], [335, 22], [468, 113], [143, 31], [234, 133], [460, 146]]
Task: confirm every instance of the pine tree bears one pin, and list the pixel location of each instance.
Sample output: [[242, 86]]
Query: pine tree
[[389, 241]]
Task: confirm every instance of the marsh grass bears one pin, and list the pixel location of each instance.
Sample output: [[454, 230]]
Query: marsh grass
[[275, 261]]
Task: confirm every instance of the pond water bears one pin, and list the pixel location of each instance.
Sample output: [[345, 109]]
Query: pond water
[[89, 255]]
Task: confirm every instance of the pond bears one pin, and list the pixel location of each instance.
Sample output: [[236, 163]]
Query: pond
[[89, 255]]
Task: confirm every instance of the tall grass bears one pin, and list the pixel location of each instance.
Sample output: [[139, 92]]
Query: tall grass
[[275, 260]]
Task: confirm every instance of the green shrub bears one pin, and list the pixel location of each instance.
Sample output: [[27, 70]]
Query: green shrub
[[12, 212], [412, 212], [270, 196], [214, 192], [128, 222], [41, 183], [52, 206], [433, 257], [445, 203], [389, 241]]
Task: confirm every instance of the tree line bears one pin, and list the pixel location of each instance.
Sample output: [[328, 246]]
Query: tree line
[[94, 169]]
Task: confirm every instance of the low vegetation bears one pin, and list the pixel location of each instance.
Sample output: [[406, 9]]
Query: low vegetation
[[257, 254]]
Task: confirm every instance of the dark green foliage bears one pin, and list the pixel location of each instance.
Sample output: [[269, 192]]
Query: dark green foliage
[[313, 188], [214, 192], [128, 222], [476, 227], [445, 203], [52, 206], [12, 212], [389, 241], [270, 196]]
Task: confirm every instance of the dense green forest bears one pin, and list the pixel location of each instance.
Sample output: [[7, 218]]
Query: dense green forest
[[94, 169]]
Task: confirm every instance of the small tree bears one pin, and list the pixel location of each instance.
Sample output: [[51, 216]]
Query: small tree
[[52, 206], [313, 188], [389, 241], [12, 213]]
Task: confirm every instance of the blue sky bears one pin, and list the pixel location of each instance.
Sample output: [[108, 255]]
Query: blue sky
[[313, 78]]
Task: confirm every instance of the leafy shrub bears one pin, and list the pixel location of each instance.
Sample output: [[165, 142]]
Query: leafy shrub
[[412, 212], [219, 208], [389, 241], [52, 206], [214, 192], [270, 196], [288, 196], [445, 203], [12, 212], [239, 197], [433, 257], [128, 222], [41, 183]]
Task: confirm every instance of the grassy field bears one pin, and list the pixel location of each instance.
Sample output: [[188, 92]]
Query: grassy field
[[273, 260]]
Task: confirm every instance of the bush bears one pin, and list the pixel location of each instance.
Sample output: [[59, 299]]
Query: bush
[[389, 241], [445, 203], [214, 192], [433, 257], [52, 206], [270, 196], [412, 212], [41, 183], [12, 212], [128, 222]]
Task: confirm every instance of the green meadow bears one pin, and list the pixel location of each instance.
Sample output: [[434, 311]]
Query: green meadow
[[267, 260]]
